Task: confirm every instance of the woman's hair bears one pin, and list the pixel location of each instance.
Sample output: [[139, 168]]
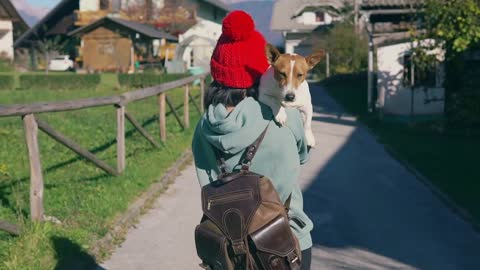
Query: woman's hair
[[219, 94]]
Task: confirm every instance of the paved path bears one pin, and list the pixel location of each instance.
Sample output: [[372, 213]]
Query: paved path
[[369, 212]]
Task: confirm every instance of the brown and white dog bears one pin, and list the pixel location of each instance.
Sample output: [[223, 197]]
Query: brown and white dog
[[284, 85]]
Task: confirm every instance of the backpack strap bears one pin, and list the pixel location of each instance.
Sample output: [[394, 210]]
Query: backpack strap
[[247, 159], [252, 150]]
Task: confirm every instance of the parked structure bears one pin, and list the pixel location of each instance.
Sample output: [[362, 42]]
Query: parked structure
[[108, 43], [401, 90], [12, 26], [69, 15], [296, 19]]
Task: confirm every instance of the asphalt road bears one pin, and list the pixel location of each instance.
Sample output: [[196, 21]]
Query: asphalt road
[[369, 211]]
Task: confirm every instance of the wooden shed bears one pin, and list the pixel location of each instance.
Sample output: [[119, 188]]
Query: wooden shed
[[110, 43]]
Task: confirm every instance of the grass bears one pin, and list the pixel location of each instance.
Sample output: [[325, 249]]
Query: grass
[[81, 196], [448, 158]]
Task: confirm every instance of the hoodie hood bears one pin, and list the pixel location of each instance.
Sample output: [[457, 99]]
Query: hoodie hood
[[233, 132]]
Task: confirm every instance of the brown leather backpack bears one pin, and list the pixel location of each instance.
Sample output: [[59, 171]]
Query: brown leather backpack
[[245, 226]]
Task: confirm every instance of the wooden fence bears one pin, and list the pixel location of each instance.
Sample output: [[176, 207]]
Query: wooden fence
[[32, 124]]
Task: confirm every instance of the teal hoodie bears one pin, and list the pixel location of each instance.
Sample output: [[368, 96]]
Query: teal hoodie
[[279, 156]]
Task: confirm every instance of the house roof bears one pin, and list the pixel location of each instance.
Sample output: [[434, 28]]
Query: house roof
[[8, 11], [284, 12], [218, 3], [53, 17], [369, 4], [143, 29]]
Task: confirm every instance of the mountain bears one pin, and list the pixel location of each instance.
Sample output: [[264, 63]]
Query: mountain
[[28, 12], [261, 12], [29, 19]]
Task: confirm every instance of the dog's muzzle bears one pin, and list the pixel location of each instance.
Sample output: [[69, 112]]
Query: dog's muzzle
[[290, 97]]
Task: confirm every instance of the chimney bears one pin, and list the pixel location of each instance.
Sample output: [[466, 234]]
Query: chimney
[[148, 10]]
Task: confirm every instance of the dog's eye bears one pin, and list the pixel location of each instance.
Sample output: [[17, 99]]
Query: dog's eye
[[283, 75], [299, 75]]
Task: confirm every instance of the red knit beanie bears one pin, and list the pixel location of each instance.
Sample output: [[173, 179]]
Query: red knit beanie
[[239, 58]]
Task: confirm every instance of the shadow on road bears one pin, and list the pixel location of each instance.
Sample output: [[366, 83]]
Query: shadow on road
[[372, 213], [70, 256]]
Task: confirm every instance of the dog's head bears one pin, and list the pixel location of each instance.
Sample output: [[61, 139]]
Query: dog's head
[[290, 70]]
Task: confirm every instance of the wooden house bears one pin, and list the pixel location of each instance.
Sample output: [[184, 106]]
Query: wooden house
[[112, 43], [70, 15], [12, 26]]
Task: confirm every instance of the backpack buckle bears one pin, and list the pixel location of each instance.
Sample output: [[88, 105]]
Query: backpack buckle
[[239, 248]]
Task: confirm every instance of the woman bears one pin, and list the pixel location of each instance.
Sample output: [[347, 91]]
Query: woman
[[234, 120]]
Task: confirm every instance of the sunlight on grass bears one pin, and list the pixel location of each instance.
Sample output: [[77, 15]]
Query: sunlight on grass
[[83, 197]]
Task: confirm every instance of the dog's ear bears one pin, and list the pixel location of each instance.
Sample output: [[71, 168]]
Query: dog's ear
[[272, 53], [314, 58]]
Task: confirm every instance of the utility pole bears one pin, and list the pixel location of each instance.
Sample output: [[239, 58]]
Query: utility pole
[[327, 72], [356, 15]]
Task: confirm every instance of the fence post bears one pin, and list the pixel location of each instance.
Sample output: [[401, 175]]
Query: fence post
[[202, 94], [120, 138], [36, 177], [162, 118], [186, 108]]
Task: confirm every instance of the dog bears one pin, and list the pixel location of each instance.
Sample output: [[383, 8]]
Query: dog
[[284, 85]]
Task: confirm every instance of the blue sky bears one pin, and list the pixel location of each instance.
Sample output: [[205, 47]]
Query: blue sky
[[43, 3]]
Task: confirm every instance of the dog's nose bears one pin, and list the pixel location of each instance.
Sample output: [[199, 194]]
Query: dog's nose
[[290, 97]]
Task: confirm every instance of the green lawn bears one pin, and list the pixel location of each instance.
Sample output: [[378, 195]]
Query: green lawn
[[449, 159], [81, 196]]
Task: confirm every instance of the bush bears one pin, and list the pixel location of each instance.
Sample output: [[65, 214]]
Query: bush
[[348, 51], [60, 81], [143, 80], [5, 66], [6, 82]]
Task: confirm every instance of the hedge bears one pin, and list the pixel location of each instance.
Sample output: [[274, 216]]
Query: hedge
[[6, 82], [60, 81], [5, 66], [143, 80]]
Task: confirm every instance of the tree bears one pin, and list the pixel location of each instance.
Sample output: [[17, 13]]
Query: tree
[[47, 45], [348, 51], [454, 26]]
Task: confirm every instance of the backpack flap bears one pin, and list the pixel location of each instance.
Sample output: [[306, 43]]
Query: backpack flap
[[276, 252]]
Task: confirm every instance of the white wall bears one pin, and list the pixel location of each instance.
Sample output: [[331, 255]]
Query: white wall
[[291, 44], [309, 18], [393, 96], [201, 47], [6, 41], [89, 5]]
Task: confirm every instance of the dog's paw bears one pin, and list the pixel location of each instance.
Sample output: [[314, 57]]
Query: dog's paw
[[281, 117], [310, 138]]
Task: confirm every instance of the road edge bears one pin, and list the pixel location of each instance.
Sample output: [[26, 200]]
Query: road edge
[[103, 247], [444, 198]]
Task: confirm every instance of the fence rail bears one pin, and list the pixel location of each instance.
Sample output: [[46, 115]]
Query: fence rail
[[32, 124]]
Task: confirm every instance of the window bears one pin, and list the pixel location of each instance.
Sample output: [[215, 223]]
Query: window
[[104, 4], [414, 76], [320, 16]]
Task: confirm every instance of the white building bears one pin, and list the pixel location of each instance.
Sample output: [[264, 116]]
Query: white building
[[296, 19], [401, 89], [11, 26]]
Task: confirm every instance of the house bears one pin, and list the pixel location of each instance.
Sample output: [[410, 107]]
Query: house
[[296, 19], [108, 43], [11, 26], [70, 15], [402, 90]]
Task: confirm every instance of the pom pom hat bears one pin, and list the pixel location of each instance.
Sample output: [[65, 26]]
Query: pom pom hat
[[239, 60]]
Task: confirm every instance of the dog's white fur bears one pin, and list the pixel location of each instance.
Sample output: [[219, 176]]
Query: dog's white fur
[[273, 96], [287, 75]]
